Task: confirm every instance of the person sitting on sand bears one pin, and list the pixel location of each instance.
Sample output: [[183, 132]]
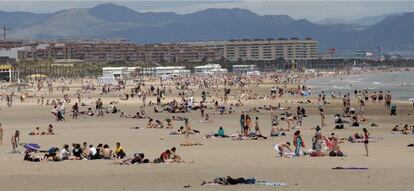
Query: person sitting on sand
[[220, 133], [114, 110], [85, 151], [52, 154], [150, 123], [355, 122], [164, 157], [405, 130], [158, 124], [396, 128], [65, 153], [90, 112], [105, 152], [169, 124], [93, 153], [50, 130], [174, 156], [77, 151], [119, 151]]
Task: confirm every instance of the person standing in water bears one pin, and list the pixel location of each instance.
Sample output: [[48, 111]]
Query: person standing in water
[[366, 139]]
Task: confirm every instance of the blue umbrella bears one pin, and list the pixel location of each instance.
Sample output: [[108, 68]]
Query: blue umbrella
[[31, 147]]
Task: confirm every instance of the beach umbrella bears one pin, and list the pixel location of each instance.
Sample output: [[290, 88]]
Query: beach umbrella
[[31, 147]]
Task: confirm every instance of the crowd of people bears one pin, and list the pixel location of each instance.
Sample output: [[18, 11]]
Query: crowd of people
[[213, 101]]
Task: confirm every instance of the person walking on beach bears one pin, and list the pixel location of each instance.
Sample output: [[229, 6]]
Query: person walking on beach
[[75, 111], [366, 139], [15, 141], [242, 120], [9, 100], [362, 108], [187, 131], [298, 142], [144, 99], [1, 134], [388, 99], [256, 127], [323, 117]]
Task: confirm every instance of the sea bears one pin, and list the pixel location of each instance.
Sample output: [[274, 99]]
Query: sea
[[400, 84]]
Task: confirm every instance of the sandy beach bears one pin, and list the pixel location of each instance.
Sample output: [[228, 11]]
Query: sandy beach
[[390, 164]]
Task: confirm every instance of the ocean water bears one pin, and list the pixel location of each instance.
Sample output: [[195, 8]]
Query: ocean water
[[401, 84]]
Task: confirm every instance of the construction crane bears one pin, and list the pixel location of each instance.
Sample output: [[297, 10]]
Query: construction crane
[[5, 29]]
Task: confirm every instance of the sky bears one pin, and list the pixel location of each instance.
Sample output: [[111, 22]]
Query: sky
[[305, 9]]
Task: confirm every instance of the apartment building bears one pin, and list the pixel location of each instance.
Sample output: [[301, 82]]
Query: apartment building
[[118, 51], [271, 49]]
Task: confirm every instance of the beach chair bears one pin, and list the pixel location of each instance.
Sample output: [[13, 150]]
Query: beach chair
[[393, 110]]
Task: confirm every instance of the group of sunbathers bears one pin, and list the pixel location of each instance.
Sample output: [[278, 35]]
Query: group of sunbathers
[[37, 131], [77, 152]]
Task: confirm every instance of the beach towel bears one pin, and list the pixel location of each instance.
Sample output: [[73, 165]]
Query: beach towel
[[270, 183], [349, 168]]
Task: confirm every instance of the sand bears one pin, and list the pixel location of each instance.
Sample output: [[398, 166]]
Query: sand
[[390, 162]]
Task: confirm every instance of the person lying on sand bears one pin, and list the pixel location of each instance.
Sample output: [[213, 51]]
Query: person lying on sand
[[178, 118], [137, 159], [31, 158], [35, 132], [275, 131], [404, 130]]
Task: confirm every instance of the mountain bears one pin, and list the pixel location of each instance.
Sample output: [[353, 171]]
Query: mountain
[[365, 21], [114, 21], [19, 20]]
